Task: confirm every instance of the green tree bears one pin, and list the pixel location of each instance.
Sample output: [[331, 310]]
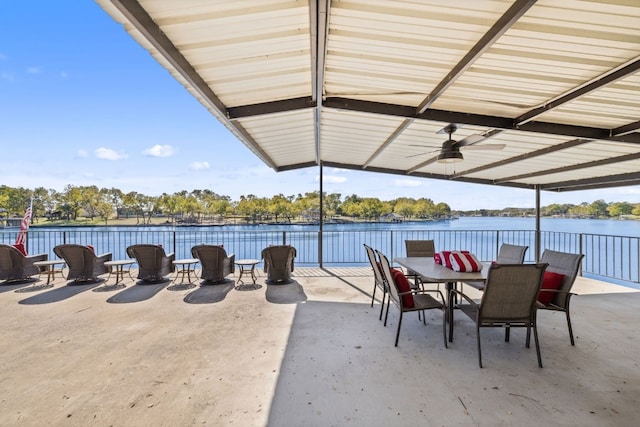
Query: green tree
[[404, 207], [620, 208], [73, 201], [115, 196], [424, 208], [104, 210], [90, 198], [598, 209]]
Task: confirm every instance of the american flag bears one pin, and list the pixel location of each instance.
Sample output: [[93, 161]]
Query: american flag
[[24, 226]]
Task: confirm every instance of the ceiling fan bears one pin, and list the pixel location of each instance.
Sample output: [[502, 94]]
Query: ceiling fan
[[450, 150]]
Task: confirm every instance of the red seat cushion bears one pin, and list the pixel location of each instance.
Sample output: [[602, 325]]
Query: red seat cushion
[[403, 285], [551, 281], [92, 248]]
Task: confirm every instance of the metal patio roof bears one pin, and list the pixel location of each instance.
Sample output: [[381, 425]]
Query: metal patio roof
[[367, 84]]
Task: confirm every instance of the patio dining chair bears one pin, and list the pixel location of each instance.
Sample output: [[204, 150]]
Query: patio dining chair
[[153, 263], [378, 279], [83, 264], [15, 266], [508, 254], [408, 299], [419, 248], [558, 299], [508, 300], [216, 264]]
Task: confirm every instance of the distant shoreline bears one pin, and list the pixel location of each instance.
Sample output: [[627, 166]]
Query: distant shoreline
[[162, 221]]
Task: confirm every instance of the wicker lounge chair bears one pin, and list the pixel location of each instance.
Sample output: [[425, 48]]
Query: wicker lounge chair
[[278, 262], [508, 300], [153, 263], [408, 299], [568, 265], [15, 266], [83, 264], [216, 264]]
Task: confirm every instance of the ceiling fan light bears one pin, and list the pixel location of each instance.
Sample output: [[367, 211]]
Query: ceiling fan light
[[450, 153]]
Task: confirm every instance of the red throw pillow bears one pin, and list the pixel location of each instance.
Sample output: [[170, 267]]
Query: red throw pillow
[[551, 281], [443, 258], [402, 284], [91, 248], [21, 248], [464, 261]]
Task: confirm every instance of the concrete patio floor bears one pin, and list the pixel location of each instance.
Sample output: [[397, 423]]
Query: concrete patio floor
[[311, 353]]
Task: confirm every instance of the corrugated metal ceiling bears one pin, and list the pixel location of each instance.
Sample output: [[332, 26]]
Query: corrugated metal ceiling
[[367, 84]]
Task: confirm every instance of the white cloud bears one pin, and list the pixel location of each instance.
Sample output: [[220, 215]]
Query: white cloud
[[332, 179], [7, 76], [33, 70], [407, 183], [82, 153], [160, 151], [196, 166], [109, 154], [64, 74], [3, 56]]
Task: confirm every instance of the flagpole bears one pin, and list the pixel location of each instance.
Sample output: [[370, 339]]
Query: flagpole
[[21, 240]]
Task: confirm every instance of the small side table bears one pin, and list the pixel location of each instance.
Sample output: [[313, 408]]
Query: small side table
[[185, 267], [117, 267], [247, 266], [50, 268]]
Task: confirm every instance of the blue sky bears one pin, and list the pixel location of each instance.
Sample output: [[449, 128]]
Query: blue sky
[[82, 103]]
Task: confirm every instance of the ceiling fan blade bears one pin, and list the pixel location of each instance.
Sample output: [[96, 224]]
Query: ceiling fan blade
[[422, 154], [484, 147], [415, 155], [471, 139], [450, 128]]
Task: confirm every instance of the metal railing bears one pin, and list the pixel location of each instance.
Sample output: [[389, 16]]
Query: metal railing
[[612, 258]]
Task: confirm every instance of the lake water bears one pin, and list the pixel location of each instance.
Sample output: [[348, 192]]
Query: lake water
[[611, 247]]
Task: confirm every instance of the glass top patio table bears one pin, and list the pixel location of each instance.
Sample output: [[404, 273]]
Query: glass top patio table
[[433, 272]]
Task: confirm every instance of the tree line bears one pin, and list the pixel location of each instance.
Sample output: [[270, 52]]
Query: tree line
[[200, 206], [596, 209]]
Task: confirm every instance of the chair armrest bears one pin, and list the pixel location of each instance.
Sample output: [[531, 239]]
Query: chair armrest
[[424, 291], [37, 257], [469, 300], [232, 262], [107, 256], [551, 304], [558, 291], [171, 257]]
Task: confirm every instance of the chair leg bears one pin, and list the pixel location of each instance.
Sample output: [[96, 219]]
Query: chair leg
[[535, 337], [386, 316], [479, 349], [373, 297], [399, 324], [570, 329], [528, 337], [384, 294], [507, 332], [444, 326]]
